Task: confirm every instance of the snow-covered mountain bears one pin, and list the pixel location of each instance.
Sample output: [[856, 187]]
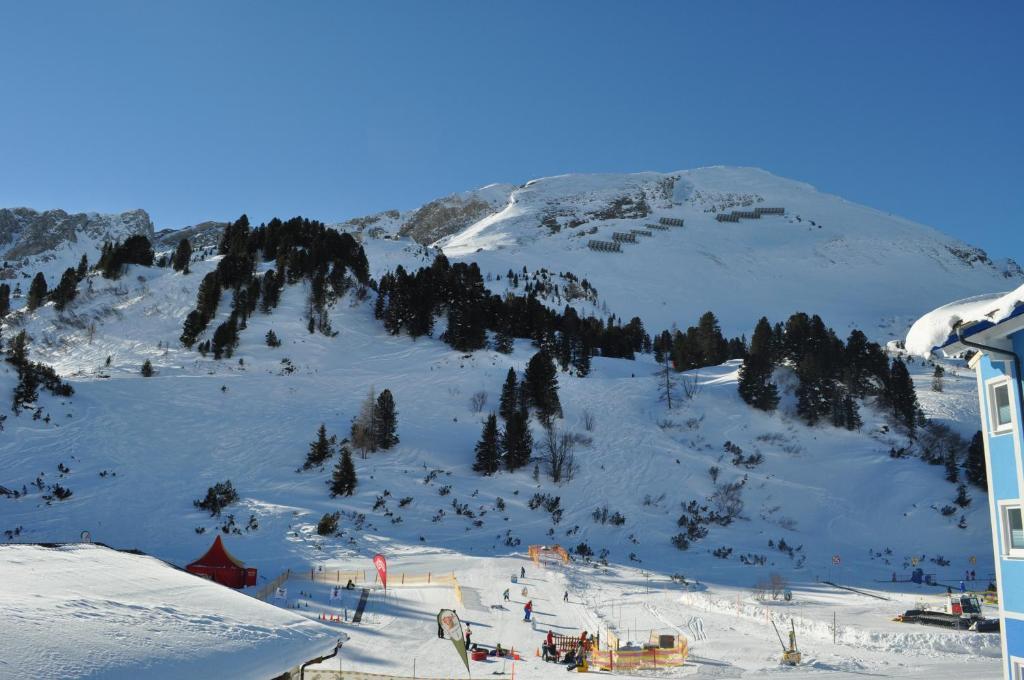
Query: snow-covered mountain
[[136, 451], [54, 240], [853, 265]]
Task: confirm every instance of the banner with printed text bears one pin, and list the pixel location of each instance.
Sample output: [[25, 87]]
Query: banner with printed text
[[449, 622]]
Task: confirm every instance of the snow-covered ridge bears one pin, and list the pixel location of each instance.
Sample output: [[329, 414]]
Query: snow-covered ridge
[[54, 240], [825, 255]]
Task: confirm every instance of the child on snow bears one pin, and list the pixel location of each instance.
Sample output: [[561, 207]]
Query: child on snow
[[527, 610]]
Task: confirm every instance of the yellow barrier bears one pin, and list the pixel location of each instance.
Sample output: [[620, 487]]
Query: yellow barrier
[[641, 659]]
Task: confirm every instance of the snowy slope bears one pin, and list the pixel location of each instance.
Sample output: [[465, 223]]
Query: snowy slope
[[88, 611], [853, 265], [250, 419], [137, 451]]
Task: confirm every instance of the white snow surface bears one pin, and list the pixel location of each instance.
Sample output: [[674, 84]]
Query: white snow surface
[[78, 611], [933, 329]]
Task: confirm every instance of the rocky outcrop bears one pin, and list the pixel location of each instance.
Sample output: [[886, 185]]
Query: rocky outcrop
[[25, 232], [202, 235], [445, 217]]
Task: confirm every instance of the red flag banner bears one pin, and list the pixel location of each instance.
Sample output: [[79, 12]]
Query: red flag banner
[[381, 563]]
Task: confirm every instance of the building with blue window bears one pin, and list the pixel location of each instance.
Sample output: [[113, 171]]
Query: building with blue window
[[991, 331]]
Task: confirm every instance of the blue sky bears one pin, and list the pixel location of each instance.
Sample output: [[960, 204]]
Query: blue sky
[[205, 110]]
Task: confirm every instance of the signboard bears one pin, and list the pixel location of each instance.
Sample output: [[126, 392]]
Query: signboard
[[836, 560]]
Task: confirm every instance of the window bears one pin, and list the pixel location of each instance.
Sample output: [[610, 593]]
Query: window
[[1018, 668], [1013, 530], [1000, 410]]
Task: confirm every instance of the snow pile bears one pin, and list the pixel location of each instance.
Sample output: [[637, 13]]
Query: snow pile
[[933, 329], [87, 610]]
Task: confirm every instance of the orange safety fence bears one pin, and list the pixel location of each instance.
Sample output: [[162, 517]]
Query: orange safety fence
[[536, 552]]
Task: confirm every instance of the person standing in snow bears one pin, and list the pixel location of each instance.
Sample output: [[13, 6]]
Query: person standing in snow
[[522, 572], [469, 636], [527, 610], [963, 587], [565, 596], [505, 595]]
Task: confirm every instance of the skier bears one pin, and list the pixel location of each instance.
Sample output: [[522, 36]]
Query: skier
[[963, 587], [550, 650], [505, 594], [469, 636], [522, 572], [565, 596], [527, 610]]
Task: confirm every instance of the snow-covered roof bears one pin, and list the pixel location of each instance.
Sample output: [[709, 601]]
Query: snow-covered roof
[[937, 329], [87, 610]]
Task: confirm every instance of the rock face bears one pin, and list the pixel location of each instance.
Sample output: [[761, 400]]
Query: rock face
[[25, 232], [202, 235]]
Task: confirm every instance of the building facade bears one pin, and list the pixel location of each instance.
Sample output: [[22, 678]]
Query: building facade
[[999, 353]]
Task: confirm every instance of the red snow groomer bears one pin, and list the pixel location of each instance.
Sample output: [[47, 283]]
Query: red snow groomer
[[961, 611]]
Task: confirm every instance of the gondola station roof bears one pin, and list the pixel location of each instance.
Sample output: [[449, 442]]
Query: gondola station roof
[[86, 610]]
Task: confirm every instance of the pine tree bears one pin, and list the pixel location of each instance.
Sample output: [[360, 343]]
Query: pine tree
[[542, 387], [320, 450], [755, 386], [937, 376], [517, 441], [487, 454], [147, 369], [83, 267], [387, 421], [851, 413], [503, 341], [343, 480], [66, 290], [962, 499], [901, 395], [711, 345], [666, 383], [509, 402], [974, 467], [182, 256], [5, 299], [272, 339], [36, 292], [815, 390], [952, 469], [17, 352]]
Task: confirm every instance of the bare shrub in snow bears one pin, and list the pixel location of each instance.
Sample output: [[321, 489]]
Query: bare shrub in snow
[[588, 421], [560, 455], [692, 387], [478, 401]]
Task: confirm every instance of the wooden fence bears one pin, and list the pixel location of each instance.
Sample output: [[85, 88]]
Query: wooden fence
[[268, 590], [652, 657], [395, 580]]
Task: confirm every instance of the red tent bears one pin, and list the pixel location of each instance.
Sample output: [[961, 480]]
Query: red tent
[[219, 565]]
